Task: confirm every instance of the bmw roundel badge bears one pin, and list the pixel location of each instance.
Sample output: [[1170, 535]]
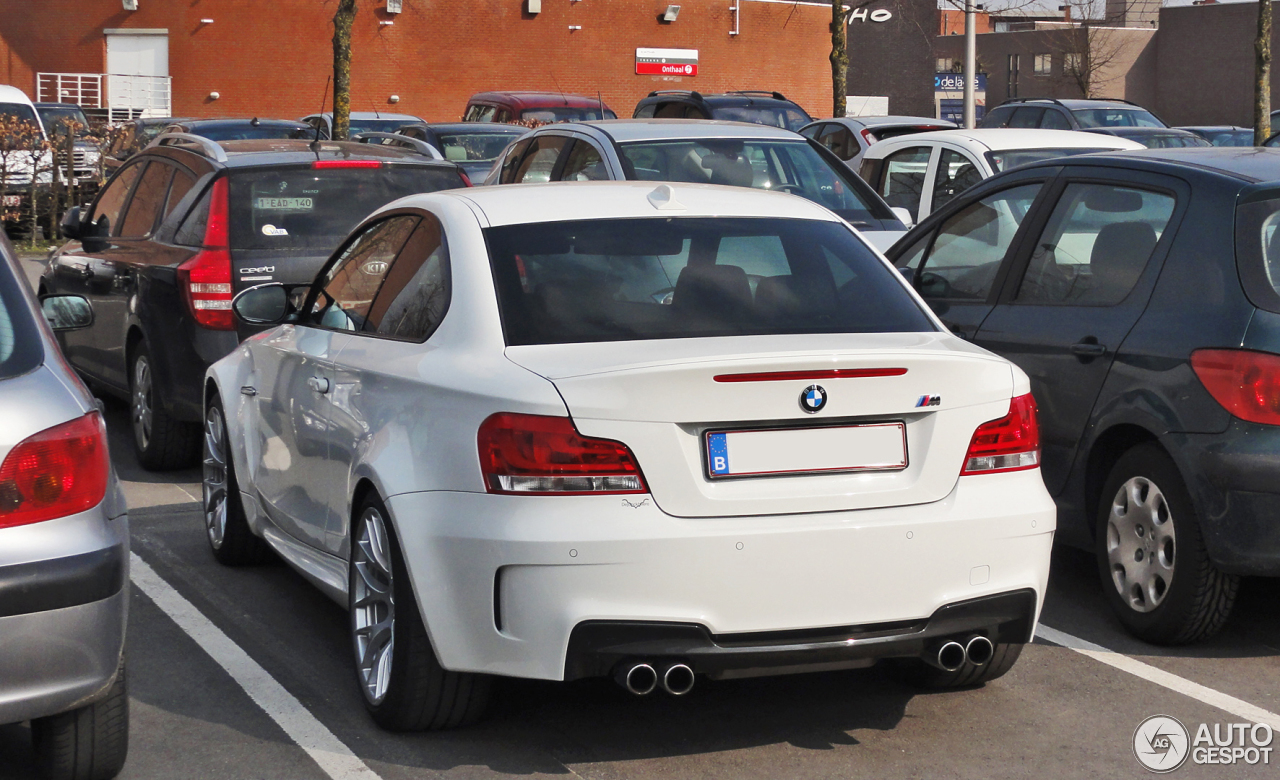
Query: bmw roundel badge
[[813, 399]]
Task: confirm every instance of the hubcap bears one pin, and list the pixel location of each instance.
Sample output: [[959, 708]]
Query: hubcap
[[373, 606], [215, 477], [1141, 544], [142, 401]]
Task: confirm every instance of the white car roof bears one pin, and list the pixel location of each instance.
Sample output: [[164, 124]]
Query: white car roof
[[623, 130], [998, 139], [561, 201], [10, 94]]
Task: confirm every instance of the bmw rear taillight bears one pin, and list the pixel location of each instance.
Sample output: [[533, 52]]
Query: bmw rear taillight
[[1246, 383], [868, 136], [1011, 443], [206, 278], [58, 472], [535, 454]]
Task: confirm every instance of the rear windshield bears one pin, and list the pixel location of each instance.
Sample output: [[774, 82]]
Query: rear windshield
[[1258, 251], [307, 208], [1012, 158], [251, 133], [791, 118], [550, 114], [376, 125], [20, 347], [785, 166], [474, 147], [653, 278], [17, 112], [1227, 137], [1115, 117]]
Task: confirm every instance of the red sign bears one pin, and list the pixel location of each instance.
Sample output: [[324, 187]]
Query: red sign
[[666, 69]]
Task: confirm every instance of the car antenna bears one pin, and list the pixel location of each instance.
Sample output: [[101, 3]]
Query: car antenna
[[556, 81], [600, 100], [315, 144], [254, 122]]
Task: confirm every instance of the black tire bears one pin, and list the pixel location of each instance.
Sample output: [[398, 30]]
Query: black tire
[[90, 743], [160, 442], [1186, 601], [915, 672], [419, 694], [226, 527]]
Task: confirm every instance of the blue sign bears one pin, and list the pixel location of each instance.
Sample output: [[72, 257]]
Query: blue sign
[[718, 453], [954, 82]]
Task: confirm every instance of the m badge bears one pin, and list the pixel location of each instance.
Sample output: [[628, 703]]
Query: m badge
[[929, 400]]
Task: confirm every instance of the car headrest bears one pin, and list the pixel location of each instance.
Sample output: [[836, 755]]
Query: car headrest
[[1112, 200], [1120, 252], [720, 291]]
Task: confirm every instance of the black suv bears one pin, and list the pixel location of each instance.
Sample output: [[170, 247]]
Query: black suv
[[761, 108], [184, 226], [1140, 292], [1053, 114]]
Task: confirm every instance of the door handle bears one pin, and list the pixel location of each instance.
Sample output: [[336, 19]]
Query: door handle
[[1089, 349], [319, 384]]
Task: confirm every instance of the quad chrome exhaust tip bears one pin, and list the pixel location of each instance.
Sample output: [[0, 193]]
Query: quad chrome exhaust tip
[[677, 679], [979, 650], [638, 678]]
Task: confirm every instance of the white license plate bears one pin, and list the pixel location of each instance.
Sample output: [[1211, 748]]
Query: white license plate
[[814, 450], [13, 200]]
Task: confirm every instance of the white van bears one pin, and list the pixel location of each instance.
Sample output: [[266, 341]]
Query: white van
[[16, 165]]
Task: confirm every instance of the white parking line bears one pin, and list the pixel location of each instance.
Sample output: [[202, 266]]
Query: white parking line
[[1173, 682], [335, 758]]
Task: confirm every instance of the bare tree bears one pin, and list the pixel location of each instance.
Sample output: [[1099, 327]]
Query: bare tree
[[1094, 43], [342, 23], [1262, 76]]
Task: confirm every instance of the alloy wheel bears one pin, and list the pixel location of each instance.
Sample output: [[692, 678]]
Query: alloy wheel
[[215, 477], [141, 406], [1141, 544], [373, 605]]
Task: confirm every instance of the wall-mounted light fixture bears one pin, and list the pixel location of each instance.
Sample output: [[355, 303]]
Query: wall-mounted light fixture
[[206, 21], [129, 5], [533, 6], [395, 6], [393, 99], [214, 95], [671, 13], [573, 27], [385, 22]]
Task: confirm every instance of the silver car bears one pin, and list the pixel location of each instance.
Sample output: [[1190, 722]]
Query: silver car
[[64, 545]]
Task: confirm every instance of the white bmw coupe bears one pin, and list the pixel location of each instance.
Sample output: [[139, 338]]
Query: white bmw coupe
[[613, 429]]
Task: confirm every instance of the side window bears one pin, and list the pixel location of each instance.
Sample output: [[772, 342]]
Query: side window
[[110, 206], [912, 255], [1026, 116], [191, 232], [833, 138], [353, 281], [956, 173], [537, 164], [903, 177], [1054, 120], [148, 198], [415, 295], [478, 113], [1095, 245], [999, 117], [971, 245], [512, 160], [811, 131], [182, 184], [645, 112], [584, 164], [503, 116]]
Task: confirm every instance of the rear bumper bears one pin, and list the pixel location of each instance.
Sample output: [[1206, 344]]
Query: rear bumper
[[506, 584], [597, 647], [1234, 480]]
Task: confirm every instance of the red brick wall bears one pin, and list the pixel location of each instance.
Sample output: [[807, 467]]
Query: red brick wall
[[272, 57]]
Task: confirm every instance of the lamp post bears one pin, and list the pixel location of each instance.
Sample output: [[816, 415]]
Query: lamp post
[[970, 62]]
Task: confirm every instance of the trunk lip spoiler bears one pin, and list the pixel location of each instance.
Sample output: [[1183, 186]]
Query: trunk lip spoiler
[[808, 375]]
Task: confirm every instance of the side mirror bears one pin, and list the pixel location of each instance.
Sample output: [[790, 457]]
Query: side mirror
[[67, 312], [71, 225], [908, 273], [266, 304], [903, 215]]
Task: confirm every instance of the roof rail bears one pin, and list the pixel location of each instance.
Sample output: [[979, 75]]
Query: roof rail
[[1055, 101], [401, 141], [774, 95], [657, 92], [207, 147]]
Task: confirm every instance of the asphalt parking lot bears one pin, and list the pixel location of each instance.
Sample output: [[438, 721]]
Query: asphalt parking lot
[[247, 674]]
